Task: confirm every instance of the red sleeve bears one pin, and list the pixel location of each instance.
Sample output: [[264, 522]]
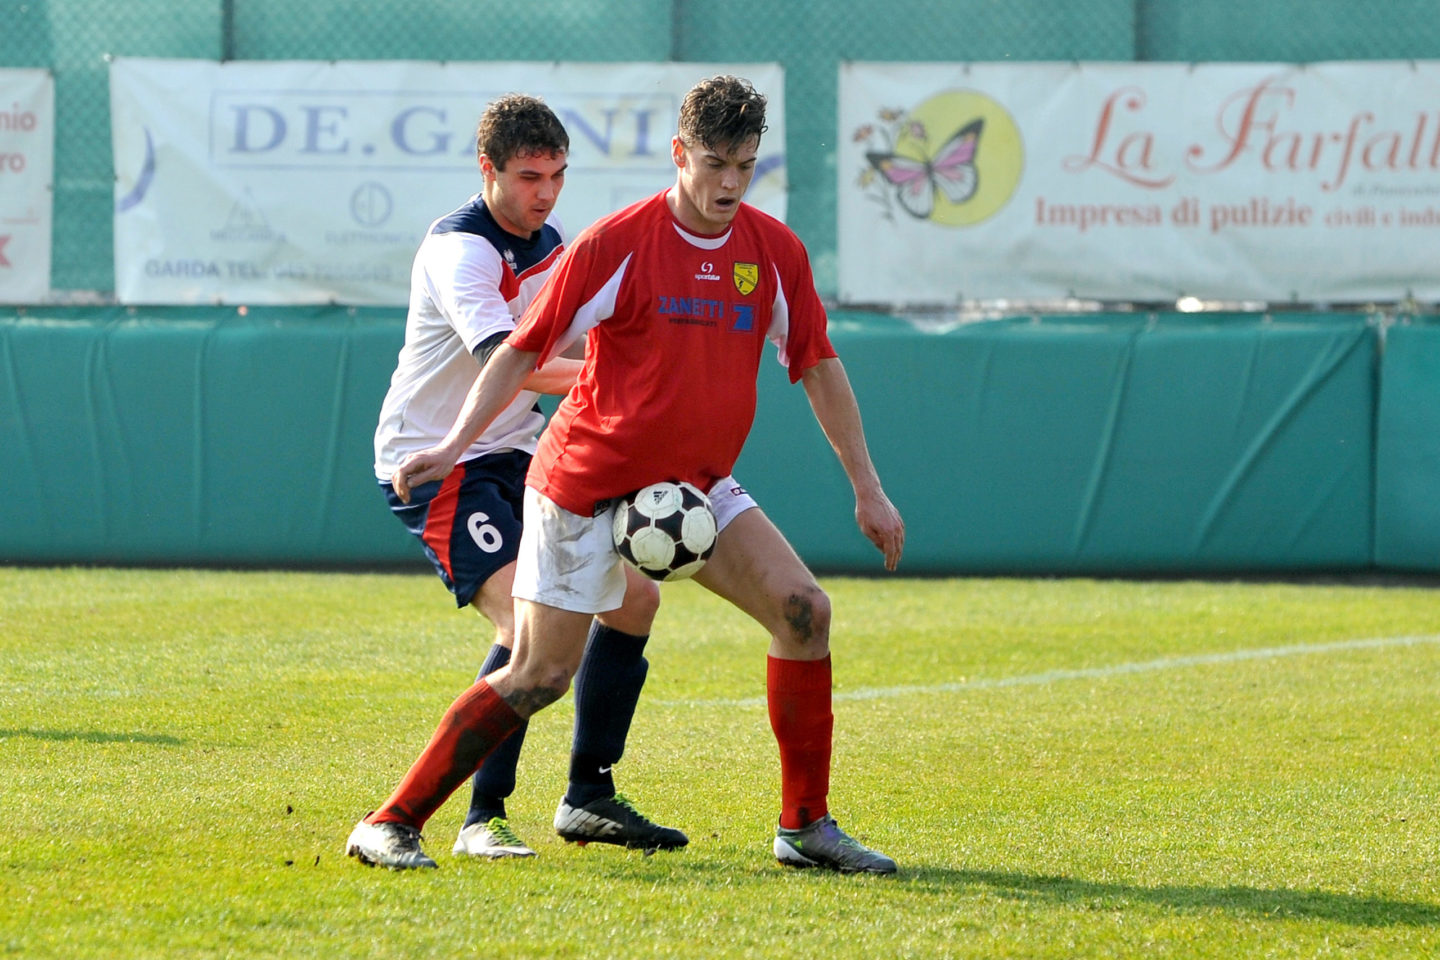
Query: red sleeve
[[544, 325], [808, 341]]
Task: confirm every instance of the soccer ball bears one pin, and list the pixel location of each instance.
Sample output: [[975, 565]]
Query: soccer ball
[[666, 530]]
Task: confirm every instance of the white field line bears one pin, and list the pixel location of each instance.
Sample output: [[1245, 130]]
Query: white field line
[[1047, 677]]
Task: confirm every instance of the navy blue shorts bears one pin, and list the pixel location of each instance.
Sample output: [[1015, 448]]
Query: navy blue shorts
[[469, 523]]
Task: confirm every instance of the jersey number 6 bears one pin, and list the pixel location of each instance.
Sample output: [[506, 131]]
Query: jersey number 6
[[484, 534]]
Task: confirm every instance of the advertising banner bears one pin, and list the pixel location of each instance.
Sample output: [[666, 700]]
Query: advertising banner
[[313, 182], [27, 166], [1145, 181]]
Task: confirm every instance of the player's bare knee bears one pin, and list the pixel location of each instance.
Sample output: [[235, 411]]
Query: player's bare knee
[[535, 683], [528, 700], [636, 613], [806, 615], [535, 687], [642, 600]]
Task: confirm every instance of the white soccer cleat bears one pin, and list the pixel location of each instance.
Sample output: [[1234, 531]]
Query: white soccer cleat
[[393, 845], [494, 839], [824, 844]]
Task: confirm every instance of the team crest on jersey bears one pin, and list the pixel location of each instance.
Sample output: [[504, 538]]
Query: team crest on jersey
[[747, 277]]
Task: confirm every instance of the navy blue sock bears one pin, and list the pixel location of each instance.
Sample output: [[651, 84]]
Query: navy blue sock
[[607, 687], [495, 780]]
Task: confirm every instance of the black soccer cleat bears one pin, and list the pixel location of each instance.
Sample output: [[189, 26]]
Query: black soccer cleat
[[614, 820]]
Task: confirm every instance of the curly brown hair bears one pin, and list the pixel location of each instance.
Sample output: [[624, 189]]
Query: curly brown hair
[[518, 125], [721, 112]]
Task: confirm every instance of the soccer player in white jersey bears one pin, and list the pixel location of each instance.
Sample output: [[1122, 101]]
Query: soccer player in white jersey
[[475, 272], [668, 343]]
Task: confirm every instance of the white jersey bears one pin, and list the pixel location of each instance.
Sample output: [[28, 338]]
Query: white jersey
[[470, 281]]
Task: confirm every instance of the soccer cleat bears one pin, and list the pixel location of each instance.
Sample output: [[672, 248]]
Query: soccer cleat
[[393, 845], [493, 839], [824, 844], [614, 820]]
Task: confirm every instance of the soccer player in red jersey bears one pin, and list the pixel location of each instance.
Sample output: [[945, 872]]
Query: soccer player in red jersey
[[474, 273], [676, 296]]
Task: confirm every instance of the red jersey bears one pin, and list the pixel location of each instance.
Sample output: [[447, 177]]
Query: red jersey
[[675, 326]]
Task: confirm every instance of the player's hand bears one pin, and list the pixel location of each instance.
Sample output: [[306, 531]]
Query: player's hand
[[420, 468], [882, 525]]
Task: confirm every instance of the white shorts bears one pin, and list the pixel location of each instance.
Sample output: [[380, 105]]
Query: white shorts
[[728, 499], [569, 562]]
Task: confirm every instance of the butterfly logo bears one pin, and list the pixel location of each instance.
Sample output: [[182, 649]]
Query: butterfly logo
[[951, 171]]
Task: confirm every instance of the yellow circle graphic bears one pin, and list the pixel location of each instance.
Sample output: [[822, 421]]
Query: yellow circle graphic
[[998, 157]]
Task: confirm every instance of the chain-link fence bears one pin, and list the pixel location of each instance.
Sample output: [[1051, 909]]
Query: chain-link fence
[[810, 38]]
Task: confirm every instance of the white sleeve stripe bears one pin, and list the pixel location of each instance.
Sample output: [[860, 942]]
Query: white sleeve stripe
[[593, 311], [779, 330]]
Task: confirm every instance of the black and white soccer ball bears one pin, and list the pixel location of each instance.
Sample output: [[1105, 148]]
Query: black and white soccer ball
[[666, 530]]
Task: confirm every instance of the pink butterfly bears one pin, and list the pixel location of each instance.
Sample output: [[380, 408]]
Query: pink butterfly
[[951, 171]]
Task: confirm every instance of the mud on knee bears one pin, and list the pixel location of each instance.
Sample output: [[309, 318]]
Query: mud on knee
[[807, 616]]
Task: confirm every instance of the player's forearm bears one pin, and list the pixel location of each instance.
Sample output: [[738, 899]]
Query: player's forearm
[[557, 376], [833, 401], [834, 404], [501, 379]]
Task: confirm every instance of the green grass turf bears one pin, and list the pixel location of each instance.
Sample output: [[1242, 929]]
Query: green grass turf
[[1063, 768]]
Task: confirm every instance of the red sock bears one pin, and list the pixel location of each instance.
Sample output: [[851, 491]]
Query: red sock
[[799, 699], [473, 726]]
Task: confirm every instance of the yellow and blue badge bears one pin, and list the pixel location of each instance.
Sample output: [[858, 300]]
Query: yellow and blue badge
[[747, 277]]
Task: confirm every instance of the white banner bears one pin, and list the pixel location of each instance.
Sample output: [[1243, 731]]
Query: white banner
[[1139, 181], [27, 166], [312, 182]]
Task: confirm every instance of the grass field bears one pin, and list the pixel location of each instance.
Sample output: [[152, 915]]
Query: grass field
[[1063, 768]]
